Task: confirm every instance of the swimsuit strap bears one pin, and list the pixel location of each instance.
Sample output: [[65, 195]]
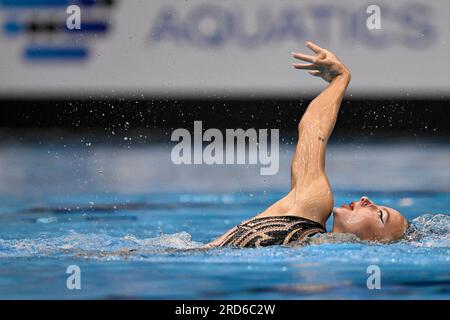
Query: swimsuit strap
[[273, 230]]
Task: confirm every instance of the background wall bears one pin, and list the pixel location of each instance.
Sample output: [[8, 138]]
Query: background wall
[[232, 48]]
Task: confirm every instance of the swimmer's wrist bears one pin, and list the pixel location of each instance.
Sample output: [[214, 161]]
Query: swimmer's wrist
[[344, 75]]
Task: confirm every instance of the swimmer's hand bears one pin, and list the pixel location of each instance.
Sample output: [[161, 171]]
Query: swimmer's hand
[[324, 64]]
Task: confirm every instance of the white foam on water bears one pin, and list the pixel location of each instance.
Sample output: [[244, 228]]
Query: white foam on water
[[180, 240], [430, 230]]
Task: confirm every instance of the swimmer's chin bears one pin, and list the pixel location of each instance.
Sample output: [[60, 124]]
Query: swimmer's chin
[[341, 211]]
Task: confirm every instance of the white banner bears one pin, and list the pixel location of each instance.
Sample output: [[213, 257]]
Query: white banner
[[225, 48]]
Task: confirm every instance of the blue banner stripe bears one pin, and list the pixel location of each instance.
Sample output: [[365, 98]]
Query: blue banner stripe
[[55, 53], [35, 3], [13, 28], [53, 3]]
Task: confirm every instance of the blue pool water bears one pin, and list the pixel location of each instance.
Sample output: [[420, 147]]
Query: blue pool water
[[128, 218]]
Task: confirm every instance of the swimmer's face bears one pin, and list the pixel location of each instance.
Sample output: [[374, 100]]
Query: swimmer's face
[[369, 221]]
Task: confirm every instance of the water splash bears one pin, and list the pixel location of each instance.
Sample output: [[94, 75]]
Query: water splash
[[181, 240], [429, 230], [90, 245]]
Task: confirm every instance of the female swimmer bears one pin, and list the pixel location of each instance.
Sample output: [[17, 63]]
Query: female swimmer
[[304, 211]]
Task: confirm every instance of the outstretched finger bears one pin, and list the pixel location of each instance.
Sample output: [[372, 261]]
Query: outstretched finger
[[304, 66], [314, 47], [304, 57]]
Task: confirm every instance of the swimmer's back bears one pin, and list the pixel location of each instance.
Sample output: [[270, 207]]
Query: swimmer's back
[[269, 231]]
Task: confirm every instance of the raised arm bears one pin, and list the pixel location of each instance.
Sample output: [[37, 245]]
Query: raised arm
[[318, 122], [308, 179], [311, 196]]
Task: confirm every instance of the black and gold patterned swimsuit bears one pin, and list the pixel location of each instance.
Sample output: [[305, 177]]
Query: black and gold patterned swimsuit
[[269, 231]]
